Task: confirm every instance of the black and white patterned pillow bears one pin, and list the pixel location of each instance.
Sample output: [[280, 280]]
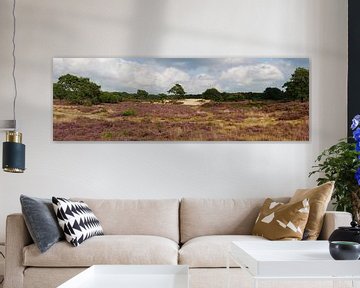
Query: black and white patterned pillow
[[77, 220]]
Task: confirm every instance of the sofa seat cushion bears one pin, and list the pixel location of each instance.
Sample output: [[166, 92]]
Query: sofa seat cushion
[[107, 249], [211, 251], [159, 217], [206, 217]]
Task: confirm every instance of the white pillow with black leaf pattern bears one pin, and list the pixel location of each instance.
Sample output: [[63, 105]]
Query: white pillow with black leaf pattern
[[76, 220]]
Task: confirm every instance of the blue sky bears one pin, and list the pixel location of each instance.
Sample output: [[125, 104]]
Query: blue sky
[[157, 75]]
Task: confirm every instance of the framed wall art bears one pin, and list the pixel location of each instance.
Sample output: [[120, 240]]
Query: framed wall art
[[181, 99]]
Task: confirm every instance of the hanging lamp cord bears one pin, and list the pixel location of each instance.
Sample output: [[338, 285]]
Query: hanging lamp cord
[[14, 60]]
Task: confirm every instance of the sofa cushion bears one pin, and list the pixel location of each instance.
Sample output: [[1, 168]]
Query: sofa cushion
[[107, 249], [319, 198], [211, 251], [158, 217], [41, 221], [200, 217], [76, 220], [279, 221]]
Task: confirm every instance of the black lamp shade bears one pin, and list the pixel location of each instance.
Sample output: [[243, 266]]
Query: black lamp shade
[[13, 157]]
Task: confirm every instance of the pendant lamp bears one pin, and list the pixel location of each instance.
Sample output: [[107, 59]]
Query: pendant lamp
[[13, 159]]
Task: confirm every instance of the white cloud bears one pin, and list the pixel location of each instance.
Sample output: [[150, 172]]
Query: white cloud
[[200, 82], [170, 76], [250, 74], [130, 74], [114, 73], [86, 67]]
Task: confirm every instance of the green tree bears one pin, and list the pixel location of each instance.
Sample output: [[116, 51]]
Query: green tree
[[298, 85], [177, 90], [273, 93], [142, 94], [78, 90], [110, 97], [212, 94], [58, 91]]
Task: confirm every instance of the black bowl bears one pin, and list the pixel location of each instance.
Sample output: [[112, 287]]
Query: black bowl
[[344, 250]]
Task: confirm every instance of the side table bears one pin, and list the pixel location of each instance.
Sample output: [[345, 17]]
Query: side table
[[294, 263], [132, 276]]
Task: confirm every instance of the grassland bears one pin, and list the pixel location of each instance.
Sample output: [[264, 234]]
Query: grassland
[[182, 121]]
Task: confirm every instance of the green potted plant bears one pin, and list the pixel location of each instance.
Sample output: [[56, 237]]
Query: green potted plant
[[341, 163]]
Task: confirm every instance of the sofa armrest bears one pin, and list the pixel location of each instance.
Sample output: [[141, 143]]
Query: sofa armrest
[[17, 237], [333, 220]]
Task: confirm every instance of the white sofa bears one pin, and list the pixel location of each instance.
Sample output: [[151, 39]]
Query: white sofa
[[194, 232]]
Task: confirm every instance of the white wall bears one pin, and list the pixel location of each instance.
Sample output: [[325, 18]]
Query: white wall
[[168, 28]]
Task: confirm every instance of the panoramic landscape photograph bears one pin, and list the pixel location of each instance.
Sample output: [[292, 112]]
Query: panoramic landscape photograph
[[181, 99]]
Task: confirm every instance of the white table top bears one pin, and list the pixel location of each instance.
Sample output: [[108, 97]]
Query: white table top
[[131, 276], [291, 259]]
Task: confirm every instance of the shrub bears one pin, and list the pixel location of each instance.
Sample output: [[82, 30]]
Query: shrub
[[110, 97], [129, 112], [212, 94]]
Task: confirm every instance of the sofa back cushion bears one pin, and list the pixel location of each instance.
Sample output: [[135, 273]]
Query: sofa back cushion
[[158, 217], [200, 217]]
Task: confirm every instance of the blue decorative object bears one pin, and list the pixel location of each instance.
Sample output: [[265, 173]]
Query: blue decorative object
[[357, 176], [356, 135], [355, 122]]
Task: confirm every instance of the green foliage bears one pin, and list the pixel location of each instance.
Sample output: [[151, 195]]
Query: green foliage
[[142, 94], [212, 94], [273, 93], [217, 96], [162, 96], [110, 97], [107, 135], [129, 112], [59, 92], [298, 85], [339, 163], [77, 90], [253, 95], [232, 97], [177, 90]]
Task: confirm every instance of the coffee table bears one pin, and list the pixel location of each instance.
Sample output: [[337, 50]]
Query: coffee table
[[131, 276], [292, 260]]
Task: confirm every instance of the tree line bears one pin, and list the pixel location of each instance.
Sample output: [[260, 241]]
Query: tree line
[[80, 90]]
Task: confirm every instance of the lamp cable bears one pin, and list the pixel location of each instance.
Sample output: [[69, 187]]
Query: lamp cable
[[14, 60]]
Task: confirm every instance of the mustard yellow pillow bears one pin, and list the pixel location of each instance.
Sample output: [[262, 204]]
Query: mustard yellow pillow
[[319, 198], [279, 221]]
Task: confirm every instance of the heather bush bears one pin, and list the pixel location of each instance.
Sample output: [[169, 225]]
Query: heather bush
[[213, 121]]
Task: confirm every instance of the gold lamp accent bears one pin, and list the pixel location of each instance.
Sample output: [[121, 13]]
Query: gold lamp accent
[[13, 153], [14, 136]]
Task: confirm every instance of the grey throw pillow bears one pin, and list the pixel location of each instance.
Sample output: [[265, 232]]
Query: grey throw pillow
[[41, 221]]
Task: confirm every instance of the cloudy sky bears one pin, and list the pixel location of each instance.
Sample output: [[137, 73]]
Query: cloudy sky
[[157, 75]]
